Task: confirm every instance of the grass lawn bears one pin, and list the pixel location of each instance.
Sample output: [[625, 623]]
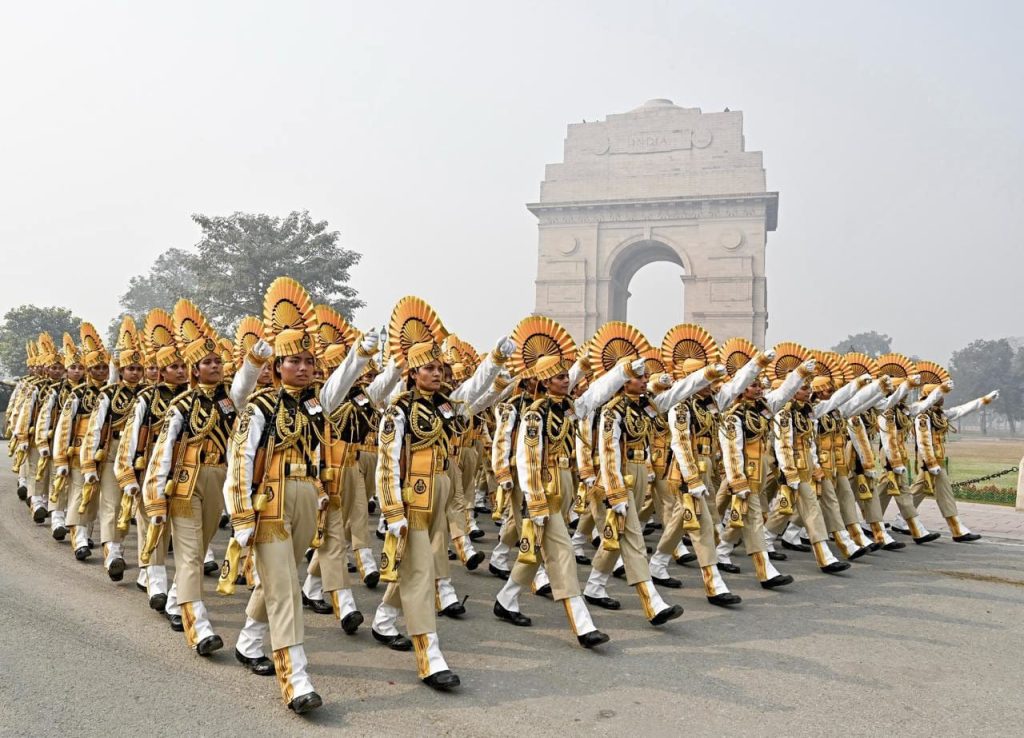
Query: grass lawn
[[971, 457]]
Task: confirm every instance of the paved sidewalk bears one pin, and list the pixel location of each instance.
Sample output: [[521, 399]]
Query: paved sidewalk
[[996, 521]]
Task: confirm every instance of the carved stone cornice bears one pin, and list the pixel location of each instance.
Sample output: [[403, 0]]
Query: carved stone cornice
[[754, 205]]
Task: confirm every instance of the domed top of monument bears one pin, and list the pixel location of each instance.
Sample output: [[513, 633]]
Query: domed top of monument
[[658, 102], [658, 150]]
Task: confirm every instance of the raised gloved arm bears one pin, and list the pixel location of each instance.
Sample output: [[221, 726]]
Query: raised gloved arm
[[244, 381], [380, 388], [777, 398], [470, 390], [604, 388], [863, 400], [841, 396], [895, 398], [925, 404], [336, 388], [955, 413], [745, 376], [689, 385], [490, 397]]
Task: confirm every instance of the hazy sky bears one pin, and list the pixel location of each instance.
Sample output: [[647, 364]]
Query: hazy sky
[[892, 131]]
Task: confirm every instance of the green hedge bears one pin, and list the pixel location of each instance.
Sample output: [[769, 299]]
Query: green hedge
[[989, 493]]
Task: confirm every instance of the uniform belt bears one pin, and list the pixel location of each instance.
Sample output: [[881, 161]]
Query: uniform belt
[[560, 461], [370, 448], [298, 471], [440, 466], [636, 454]]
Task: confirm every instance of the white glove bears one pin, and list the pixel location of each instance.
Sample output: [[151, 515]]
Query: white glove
[[507, 486], [322, 501], [810, 364], [159, 520], [61, 471], [949, 386], [992, 396], [91, 477], [934, 471], [718, 369], [243, 536], [743, 495], [396, 528], [651, 476], [871, 474], [23, 446], [769, 354], [262, 349], [698, 491], [505, 347], [638, 367], [621, 508], [915, 380], [539, 520], [44, 452], [132, 489], [370, 341], [590, 482], [900, 469], [793, 485]]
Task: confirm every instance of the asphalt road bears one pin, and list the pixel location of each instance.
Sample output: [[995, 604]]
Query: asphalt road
[[927, 641]]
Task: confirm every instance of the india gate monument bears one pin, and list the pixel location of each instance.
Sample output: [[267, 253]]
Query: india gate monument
[[659, 183]]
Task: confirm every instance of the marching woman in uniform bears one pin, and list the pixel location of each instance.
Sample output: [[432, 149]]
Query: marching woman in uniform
[[138, 439], [102, 441], [186, 473], [83, 502], [413, 483], [273, 490]]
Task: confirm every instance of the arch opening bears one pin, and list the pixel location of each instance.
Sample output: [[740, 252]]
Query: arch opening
[[647, 287]]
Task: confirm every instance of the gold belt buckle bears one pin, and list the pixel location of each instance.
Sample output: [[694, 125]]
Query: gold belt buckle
[[297, 470], [563, 462]]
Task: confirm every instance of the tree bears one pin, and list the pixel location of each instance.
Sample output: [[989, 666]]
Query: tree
[[25, 323], [174, 275], [237, 258], [871, 343], [981, 367]]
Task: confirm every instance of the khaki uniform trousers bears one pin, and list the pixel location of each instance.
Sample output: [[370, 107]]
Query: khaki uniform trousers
[[367, 461], [555, 548], [753, 532], [110, 497], [703, 540], [469, 462], [831, 514], [632, 547], [455, 507], [904, 501], [943, 491], [871, 509], [805, 502], [37, 487], [328, 561], [847, 500], [353, 507], [192, 533], [61, 501], [509, 533], [142, 523], [414, 592], [76, 482], [277, 599]]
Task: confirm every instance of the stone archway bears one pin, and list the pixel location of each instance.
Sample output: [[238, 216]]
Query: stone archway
[[624, 262], [657, 183]]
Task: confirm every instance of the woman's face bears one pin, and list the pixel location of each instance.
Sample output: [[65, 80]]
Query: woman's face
[[152, 374], [132, 373], [558, 386], [75, 373], [428, 377], [266, 377], [99, 372], [209, 370], [175, 374], [297, 370]]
